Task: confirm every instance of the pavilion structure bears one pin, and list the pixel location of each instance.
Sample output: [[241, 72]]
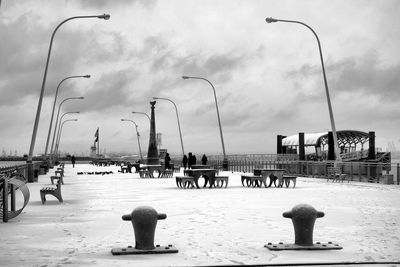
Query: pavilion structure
[[352, 145]]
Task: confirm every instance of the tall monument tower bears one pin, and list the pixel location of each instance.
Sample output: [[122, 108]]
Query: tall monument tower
[[152, 152]]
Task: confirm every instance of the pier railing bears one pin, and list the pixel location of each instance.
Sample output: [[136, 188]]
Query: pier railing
[[357, 171]]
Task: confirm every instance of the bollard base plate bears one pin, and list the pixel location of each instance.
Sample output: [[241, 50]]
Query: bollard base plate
[[157, 250], [316, 246]]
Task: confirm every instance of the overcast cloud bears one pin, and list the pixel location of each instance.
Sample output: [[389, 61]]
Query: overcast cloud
[[267, 77]]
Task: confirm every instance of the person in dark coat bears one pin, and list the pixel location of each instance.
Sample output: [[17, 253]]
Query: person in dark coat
[[194, 160], [204, 159], [167, 160], [73, 161], [190, 160], [185, 162]]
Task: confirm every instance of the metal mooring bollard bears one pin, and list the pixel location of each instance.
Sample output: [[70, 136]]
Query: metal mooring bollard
[[303, 217], [144, 221]]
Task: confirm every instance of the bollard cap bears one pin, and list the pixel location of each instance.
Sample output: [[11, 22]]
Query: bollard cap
[[303, 211], [143, 214]]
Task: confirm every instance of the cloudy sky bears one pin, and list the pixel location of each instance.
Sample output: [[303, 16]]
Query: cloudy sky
[[267, 77]]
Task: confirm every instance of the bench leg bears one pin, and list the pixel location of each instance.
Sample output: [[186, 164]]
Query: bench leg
[[43, 197]]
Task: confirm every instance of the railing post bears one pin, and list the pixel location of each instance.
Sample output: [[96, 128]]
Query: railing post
[[398, 173], [359, 172], [5, 200]]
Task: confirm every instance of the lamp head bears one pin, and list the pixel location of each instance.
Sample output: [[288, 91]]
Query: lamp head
[[123, 120], [86, 76], [185, 77], [155, 98], [104, 16], [81, 97], [270, 20]]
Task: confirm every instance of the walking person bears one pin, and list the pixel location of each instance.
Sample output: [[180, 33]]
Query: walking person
[[73, 161], [185, 161], [190, 160], [167, 161], [204, 159]]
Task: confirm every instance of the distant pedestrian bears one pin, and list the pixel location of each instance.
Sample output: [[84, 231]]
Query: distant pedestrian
[[185, 162], [204, 159], [73, 161], [190, 160], [167, 161], [194, 160], [129, 167]]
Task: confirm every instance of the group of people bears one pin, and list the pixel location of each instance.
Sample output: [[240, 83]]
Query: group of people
[[188, 162]]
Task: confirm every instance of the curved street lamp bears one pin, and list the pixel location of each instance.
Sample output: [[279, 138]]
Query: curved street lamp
[[177, 117], [138, 112], [39, 107], [225, 161], [332, 120], [59, 133], [54, 105], [137, 134], [58, 113]]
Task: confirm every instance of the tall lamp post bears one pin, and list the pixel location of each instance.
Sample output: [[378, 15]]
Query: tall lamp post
[[177, 117], [137, 134], [39, 107], [59, 133], [55, 126], [54, 105], [225, 161], [332, 120]]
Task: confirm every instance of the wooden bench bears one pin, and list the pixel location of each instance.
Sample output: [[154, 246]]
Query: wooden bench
[[185, 181], [177, 169], [286, 179], [55, 177], [55, 191], [168, 173], [254, 180], [335, 174], [220, 181]]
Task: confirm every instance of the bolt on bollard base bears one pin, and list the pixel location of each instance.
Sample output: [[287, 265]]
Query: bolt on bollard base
[[303, 218], [144, 220]]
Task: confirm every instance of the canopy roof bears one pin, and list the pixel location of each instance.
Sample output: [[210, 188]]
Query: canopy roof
[[345, 137]]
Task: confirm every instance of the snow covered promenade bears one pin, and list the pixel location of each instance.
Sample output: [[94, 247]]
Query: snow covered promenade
[[209, 226]]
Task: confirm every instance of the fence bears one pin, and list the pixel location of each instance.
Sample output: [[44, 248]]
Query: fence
[[357, 171]]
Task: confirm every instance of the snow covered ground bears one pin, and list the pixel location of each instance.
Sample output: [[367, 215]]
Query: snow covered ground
[[208, 226]]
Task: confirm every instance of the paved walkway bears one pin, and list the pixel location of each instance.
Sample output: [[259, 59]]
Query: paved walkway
[[208, 226]]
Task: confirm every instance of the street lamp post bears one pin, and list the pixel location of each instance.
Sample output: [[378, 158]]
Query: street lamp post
[[137, 134], [177, 117], [55, 126], [59, 134], [225, 161], [54, 105], [39, 107], [332, 120]]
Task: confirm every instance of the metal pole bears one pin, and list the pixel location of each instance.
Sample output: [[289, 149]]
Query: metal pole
[[55, 127], [332, 120], [59, 134], [137, 134], [225, 161], [39, 107], [177, 117], [54, 105]]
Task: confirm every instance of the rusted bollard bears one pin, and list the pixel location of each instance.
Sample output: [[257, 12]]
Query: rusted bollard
[[303, 218], [144, 221]]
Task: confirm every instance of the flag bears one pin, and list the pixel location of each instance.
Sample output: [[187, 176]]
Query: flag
[[96, 135]]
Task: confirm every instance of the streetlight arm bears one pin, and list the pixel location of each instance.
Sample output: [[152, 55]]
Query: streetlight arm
[[332, 120], [36, 124], [54, 105], [58, 113]]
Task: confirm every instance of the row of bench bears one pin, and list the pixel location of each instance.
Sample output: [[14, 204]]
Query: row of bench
[[54, 191]]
